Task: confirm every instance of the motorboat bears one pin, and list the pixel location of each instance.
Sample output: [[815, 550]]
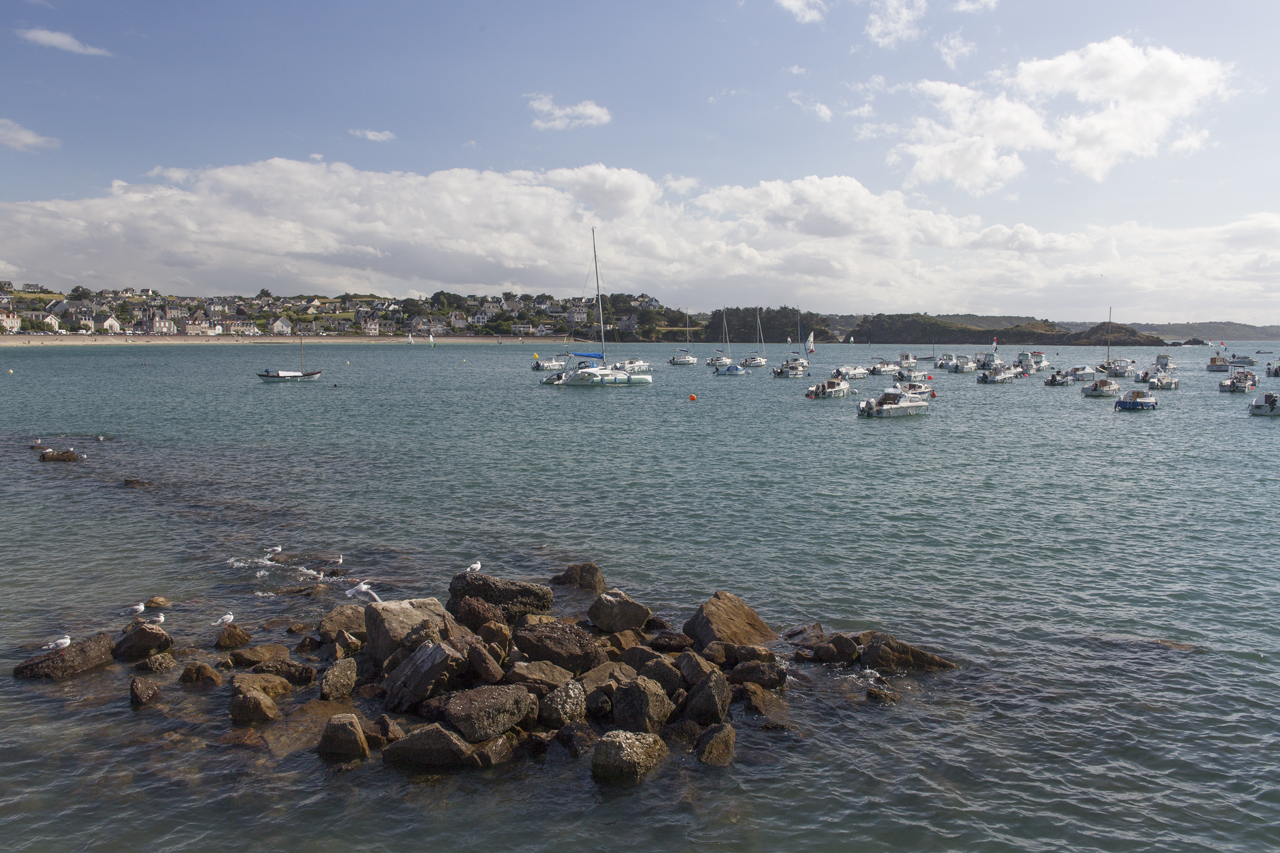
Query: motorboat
[[906, 374], [1218, 364], [998, 376], [987, 361], [632, 365], [828, 388], [1165, 363], [1266, 405], [962, 364], [556, 363], [754, 361], [732, 370], [1083, 373], [883, 367], [1119, 368], [1024, 363], [1136, 400], [299, 375], [1242, 381], [757, 358], [918, 388], [1273, 370], [1162, 381], [1242, 361], [945, 361], [1058, 379], [1040, 361], [850, 372], [792, 368], [720, 360], [906, 359], [893, 403], [1102, 388]]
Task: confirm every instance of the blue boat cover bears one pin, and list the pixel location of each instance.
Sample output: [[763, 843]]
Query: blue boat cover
[[598, 355]]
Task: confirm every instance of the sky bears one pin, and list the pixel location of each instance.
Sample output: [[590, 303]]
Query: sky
[[1017, 157]]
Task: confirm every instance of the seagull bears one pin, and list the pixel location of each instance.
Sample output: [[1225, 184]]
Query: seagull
[[275, 549], [134, 610], [474, 567], [310, 573], [225, 620], [339, 559], [159, 620], [60, 643], [363, 586]]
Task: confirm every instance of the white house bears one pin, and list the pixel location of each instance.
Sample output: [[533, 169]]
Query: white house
[[10, 321], [106, 323], [521, 329], [543, 331], [280, 326]]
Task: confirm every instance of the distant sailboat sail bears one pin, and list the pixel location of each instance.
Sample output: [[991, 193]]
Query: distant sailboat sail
[[432, 338], [809, 344]]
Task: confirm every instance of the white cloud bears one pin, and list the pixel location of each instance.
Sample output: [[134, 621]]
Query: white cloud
[[826, 242], [893, 21], [62, 41], [864, 111], [16, 136], [552, 117], [953, 48], [975, 5], [805, 11], [317, 156], [1127, 101], [811, 105], [373, 135], [469, 144], [796, 70]]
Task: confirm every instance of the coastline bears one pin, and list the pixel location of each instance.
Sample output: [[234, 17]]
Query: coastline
[[169, 340]]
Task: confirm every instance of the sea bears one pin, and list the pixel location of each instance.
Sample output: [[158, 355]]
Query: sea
[[1107, 581]]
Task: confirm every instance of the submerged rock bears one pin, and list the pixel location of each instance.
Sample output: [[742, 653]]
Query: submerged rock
[[338, 680], [623, 758], [716, 745], [201, 674], [729, 619], [156, 602], [582, 575], [434, 747], [142, 691], [578, 738], [253, 706], [513, 598], [615, 611], [80, 657], [59, 456], [887, 653], [297, 674], [343, 739]]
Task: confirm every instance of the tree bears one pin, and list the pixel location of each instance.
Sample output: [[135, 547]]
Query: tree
[[79, 292], [264, 294]]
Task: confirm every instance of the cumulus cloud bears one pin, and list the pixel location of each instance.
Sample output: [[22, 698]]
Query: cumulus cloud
[[953, 48], [805, 11], [796, 70], [826, 242], [1127, 101], [552, 117], [16, 136], [373, 135], [975, 5], [894, 21], [811, 105], [62, 41]]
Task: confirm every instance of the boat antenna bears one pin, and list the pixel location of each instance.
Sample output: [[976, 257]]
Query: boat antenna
[[595, 259]]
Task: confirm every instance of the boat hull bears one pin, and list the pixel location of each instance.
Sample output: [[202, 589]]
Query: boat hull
[[289, 376]]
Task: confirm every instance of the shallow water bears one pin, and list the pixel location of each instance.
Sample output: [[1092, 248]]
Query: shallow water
[[1041, 539]]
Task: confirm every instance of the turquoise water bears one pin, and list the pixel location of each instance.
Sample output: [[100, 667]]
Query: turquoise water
[[1040, 539]]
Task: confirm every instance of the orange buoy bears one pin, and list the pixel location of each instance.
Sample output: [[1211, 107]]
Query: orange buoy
[[693, 398]]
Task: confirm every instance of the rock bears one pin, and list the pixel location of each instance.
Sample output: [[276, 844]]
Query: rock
[[693, 667], [883, 695], [623, 640], [156, 663], [434, 747], [670, 641], [805, 636], [483, 713], [885, 652], [475, 612], [746, 654], [514, 598], [682, 731], [297, 674], [259, 654], [566, 646], [483, 665], [387, 623], [665, 673], [716, 745], [371, 691], [600, 703], [804, 656], [615, 611], [307, 645], [142, 691], [641, 706], [757, 700], [543, 673], [272, 685], [346, 645], [639, 656], [156, 602], [141, 642], [343, 739], [59, 456], [770, 676], [616, 672], [708, 702], [339, 680], [729, 619], [582, 575], [344, 617], [496, 633], [201, 674], [623, 758], [578, 738], [721, 654], [562, 706], [838, 649], [535, 619], [298, 628], [302, 727], [428, 668], [253, 706], [232, 637], [247, 738], [656, 625]]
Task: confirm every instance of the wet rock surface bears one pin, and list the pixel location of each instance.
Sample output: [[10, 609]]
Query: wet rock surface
[[727, 618], [143, 641], [624, 758], [583, 576], [80, 657], [514, 598], [566, 646]]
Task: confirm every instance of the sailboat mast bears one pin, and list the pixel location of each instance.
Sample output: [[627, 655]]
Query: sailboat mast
[[301, 363], [599, 307], [1108, 339]]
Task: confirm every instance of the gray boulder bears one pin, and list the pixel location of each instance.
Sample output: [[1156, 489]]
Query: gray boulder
[[483, 713], [387, 623], [344, 617], [708, 702], [338, 680], [623, 758], [716, 745], [434, 747], [562, 706], [770, 676], [80, 657], [693, 668], [665, 673], [641, 706], [566, 646], [729, 619], [615, 611], [420, 674], [582, 575], [537, 673], [343, 739], [142, 691], [513, 598], [143, 641]]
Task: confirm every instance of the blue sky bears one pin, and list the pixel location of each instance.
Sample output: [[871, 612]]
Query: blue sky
[[881, 155]]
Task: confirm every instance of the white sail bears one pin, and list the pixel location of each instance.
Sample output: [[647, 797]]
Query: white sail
[[809, 343]]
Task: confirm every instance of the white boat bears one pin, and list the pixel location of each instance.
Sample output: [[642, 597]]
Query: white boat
[[906, 374], [732, 370], [591, 371], [1240, 382], [1136, 400], [1082, 373], [829, 388], [1218, 364], [1041, 363], [893, 403], [1165, 363], [809, 347], [1102, 388], [1273, 370], [299, 375], [1059, 379], [850, 372], [411, 337], [720, 360], [757, 358], [431, 339], [963, 364], [1024, 363], [792, 368], [1266, 405], [1162, 381], [884, 367], [906, 359], [632, 365], [925, 391], [556, 363], [1242, 361], [724, 357], [683, 356], [987, 361], [945, 361], [1119, 368], [999, 376]]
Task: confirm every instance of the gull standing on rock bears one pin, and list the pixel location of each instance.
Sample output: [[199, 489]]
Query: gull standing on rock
[[474, 567], [134, 610], [224, 621], [60, 643], [159, 620]]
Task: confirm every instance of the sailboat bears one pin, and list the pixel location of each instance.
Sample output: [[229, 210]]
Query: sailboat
[[683, 356], [729, 369], [431, 338], [299, 375], [720, 359], [411, 337], [757, 357], [591, 371], [797, 366]]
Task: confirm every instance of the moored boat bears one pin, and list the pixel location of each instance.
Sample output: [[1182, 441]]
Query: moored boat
[[556, 363], [850, 372], [1240, 382], [792, 368], [1058, 379], [1266, 405], [1102, 388], [962, 364], [828, 388], [1218, 364], [1162, 381], [1136, 400], [998, 376], [893, 403], [632, 365], [945, 361], [299, 375]]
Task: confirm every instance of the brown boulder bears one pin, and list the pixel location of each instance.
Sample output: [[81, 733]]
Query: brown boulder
[[232, 637], [59, 456], [253, 706], [693, 668], [343, 739], [156, 663], [297, 674], [142, 691], [562, 706], [338, 680], [582, 575], [708, 702], [474, 613], [729, 619], [482, 664], [886, 652], [484, 713], [716, 745], [641, 706], [623, 758], [388, 623], [578, 738], [156, 602], [615, 611], [271, 685], [429, 668], [201, 674], [143, 641], [259, 654], [80, 657], [537, 674], [770, 676], [344, 617], [434, 747], [514, 598], [566, 646], [665, 673]]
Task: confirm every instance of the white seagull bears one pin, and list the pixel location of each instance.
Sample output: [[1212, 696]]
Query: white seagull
[[363, 586], [159, 620], [474, 567], [60, 643], [225, 620], [275, 549], [134, 610], [310, 573]]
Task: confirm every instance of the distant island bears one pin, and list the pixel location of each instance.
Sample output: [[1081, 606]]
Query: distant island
[[925, 329]]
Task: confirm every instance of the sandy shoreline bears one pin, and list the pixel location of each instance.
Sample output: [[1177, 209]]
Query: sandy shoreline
[[169, 340]]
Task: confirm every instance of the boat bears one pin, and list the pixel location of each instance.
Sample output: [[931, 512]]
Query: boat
[[809, 347], [883, 367], [987, 361], [1165, 363], [1136, 400], [591, 370], [1058, 379], [1242, 361], [757, 358], [850, 372], [299, 375], [828, 388], [411, 337], [945, 361], [963, 364], [1266, 405], [632, 365], [725, 357], [999, 376], [556, 363], [1162, 381], [893, 403], [431, 338], [1119, 368], [1082, 373], [1218, 364], [732, 370], [905, 359], [792, 368], [1242, 381], [1041, 363], [1103, 387], [1273, 370], [1024, 363], [683, 356], [906, 374], [918, 388]]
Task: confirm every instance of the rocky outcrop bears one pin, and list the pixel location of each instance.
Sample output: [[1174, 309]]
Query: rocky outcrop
[[475, 612], [143, 641], [513, 598], [253, 706], [483, 713], [708, 703], [344, 617], [232, 637], [59, 456], [343, 739], [156, 663], [434, 747], [770, 676], [623, 758], [142, 691], [156, 602], [429, 668], [537, 674], [259, 654], [338, 680], [716, 745], [583, 576], [566, 646], [885, 652], [76, 659], [271, 685], [641, 706], [388, 623], [562, 706], [615, 611], [726, 618], [297, 674], [201, 674]]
